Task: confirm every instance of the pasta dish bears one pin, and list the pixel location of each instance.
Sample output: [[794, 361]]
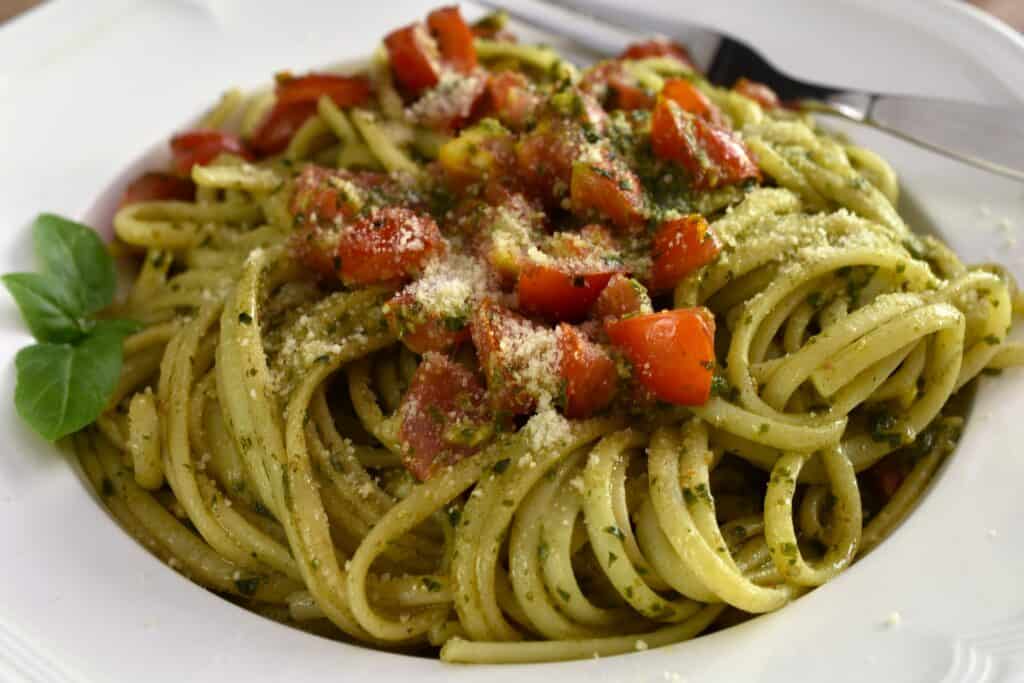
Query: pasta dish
[[477, 354]]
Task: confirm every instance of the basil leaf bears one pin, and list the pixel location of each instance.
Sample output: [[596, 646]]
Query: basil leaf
[[46, 306], [64, 387], [74, 254]]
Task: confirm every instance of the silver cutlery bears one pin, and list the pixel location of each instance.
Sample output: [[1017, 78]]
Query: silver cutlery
[[986, 137]]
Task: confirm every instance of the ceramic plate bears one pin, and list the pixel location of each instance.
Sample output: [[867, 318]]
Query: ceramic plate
[[86, 87]]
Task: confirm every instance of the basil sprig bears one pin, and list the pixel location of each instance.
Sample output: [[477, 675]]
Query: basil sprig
[[65, 381]]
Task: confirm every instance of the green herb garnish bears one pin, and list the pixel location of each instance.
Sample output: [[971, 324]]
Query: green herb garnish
[[65, 380]]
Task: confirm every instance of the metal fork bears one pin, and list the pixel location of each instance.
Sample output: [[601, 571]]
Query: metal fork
[[986, 137]]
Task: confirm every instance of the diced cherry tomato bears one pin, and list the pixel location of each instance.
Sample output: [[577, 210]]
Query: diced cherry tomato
[[453, 105], [680, 247], [276, 130], [419, 331], [512, 98], [689, 98], [544, 159], [496, 332], [588, 372], [317, 195], [443, 416], [658, 47], [156, 186], [673, 352], [388, 244], [759, 92], [199, 147], [324, 200], [556, 294], [609, 188], [622, 296], [454, 38], [713, 155], [611, 83], [296, 102], [414, 58], [345, 91]]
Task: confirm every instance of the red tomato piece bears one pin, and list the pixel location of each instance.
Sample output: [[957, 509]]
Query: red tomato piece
[[296, 102], [618, 89], [199, 147], [317, 197], [320, 209], [588, 373], [387, 244], [608, 188], [453, 105], [759, 92], [556, 294], [345, 91], [443, 416], [622, 296], [157, 186], [419, 331], [673, 352], [454, 38], [276, 130], [714, 156], [414, 58], [691, 99], [680, 247], [544, 159], [497, 333], [512, 98], [658, 47]]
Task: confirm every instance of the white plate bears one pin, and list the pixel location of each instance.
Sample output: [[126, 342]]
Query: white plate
[[84, 87]]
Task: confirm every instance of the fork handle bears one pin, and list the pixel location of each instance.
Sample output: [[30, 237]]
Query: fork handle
[[991, 138]]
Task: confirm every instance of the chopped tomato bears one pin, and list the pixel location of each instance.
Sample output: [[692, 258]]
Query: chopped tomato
[[414, 58], [622, 296], [422, 332], [673, 352], [512, 99], [454, 38], [658, 47], [680, 247], [587, 371], [497, 335], [714, 156], [558, 294], [319, 195], [199, 147], [616, 87], [759, 92], [156, 186], [443, 416], [387, 244], [345, 91], [452, 105], [280, 125], [691, 99], [296, 101], [544, 159], [609, 188]]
